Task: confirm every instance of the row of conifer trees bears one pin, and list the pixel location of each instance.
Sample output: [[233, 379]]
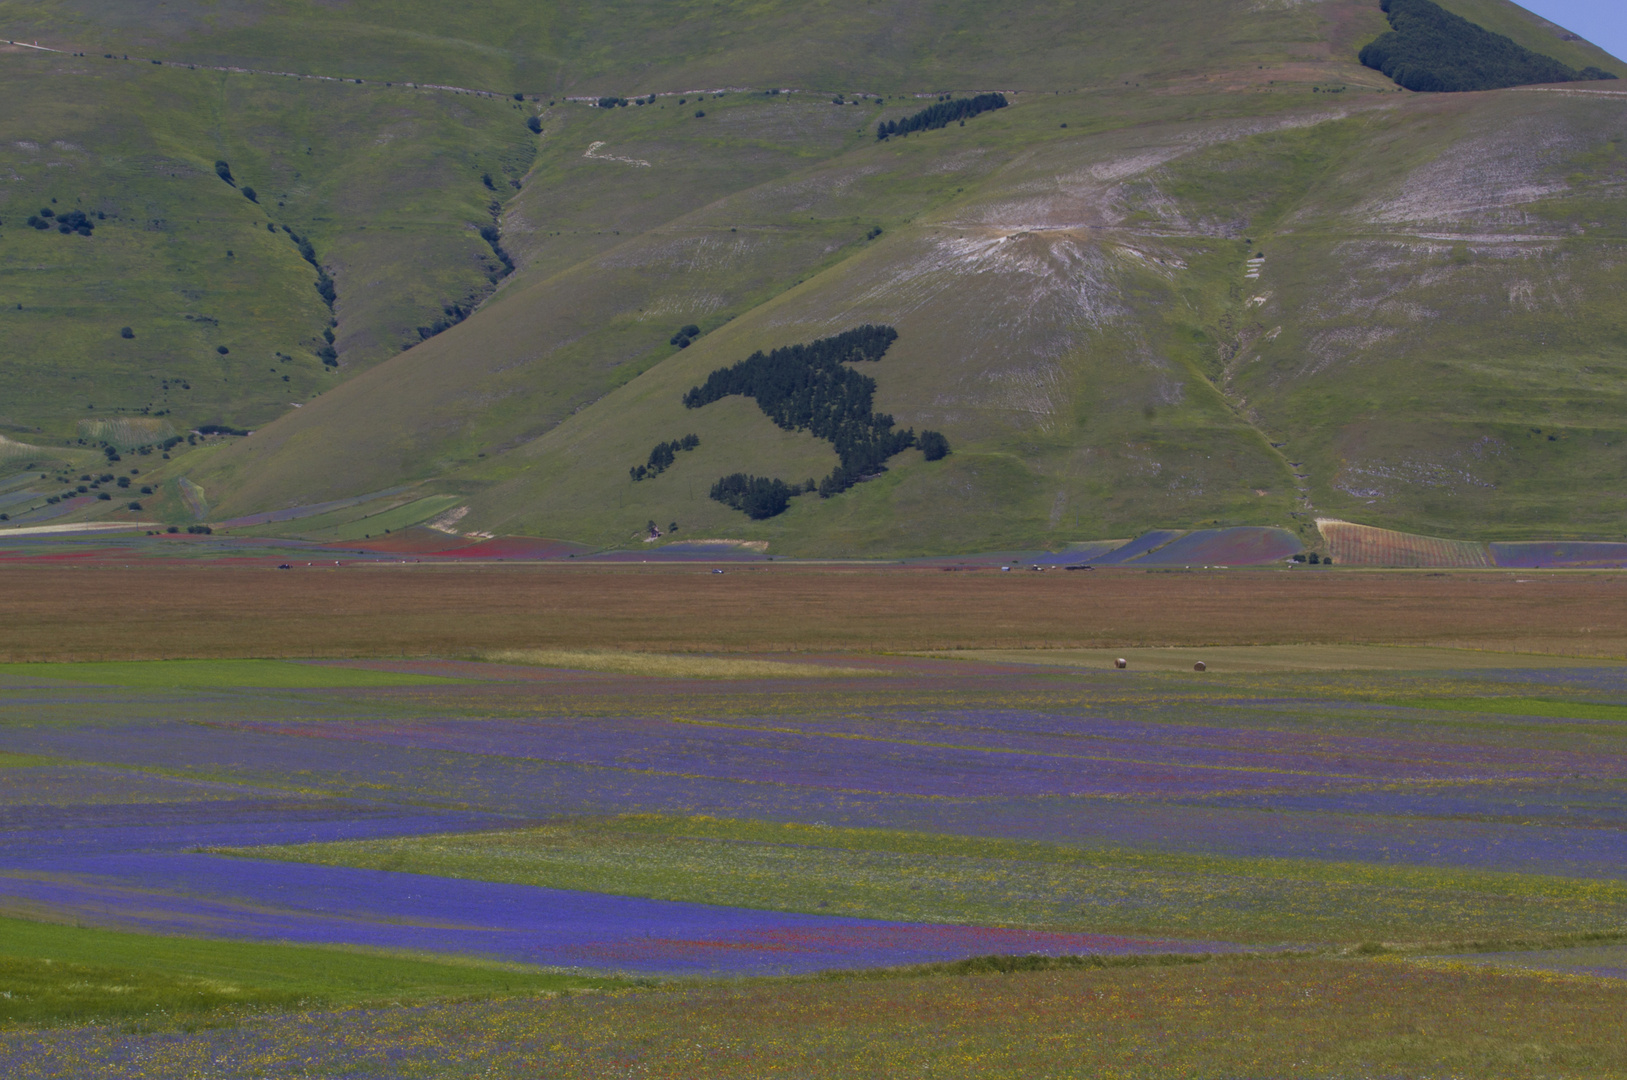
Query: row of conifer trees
[[662, 457], [942, 114]]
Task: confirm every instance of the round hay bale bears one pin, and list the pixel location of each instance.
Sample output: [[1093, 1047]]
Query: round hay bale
[[1200, 666], [1121, 662]]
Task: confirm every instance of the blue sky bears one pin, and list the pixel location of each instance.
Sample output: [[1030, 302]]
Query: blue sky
[[1603, 22]]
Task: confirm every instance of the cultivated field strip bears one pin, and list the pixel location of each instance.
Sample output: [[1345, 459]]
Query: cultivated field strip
[[1386, 771]]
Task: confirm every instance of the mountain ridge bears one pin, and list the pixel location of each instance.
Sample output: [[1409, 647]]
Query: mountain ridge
[[1080, 308]]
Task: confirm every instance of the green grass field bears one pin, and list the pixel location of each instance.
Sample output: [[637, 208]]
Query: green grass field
[[878, 874], [374, 519], [669, 666], [66, 975], [1511, 706], [1249, 1018], [220, 674]]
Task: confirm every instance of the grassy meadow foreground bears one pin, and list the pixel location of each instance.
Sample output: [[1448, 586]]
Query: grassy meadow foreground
[[970, 848]]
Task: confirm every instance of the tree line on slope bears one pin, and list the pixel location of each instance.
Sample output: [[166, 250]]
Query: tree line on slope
[[1430, 50], [662, 457], [807, 387], [451, 314], [224, 171], [942, 114], [324, 288]]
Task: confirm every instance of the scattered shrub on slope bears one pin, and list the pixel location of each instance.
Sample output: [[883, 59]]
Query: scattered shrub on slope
[[942, 114], [70, 221], [1429, 49]]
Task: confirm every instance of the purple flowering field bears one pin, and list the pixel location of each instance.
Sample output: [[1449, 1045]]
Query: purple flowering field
[[373, 876], [271, 901], [480, 818]]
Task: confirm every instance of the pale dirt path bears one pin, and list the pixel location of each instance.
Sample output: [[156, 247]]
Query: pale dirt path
[[81, 527], [592, 152]]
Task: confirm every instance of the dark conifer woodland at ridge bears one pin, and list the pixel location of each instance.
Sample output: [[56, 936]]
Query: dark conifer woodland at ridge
[[1430, 49]]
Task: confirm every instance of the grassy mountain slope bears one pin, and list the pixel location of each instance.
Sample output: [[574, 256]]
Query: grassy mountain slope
[[769, 236], [1453, 347], [1078, 307], [633, 46], [385, 183], [1403, 340]]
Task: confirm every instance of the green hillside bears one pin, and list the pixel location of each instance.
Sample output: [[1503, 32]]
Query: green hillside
[[1219, 273], [225, 318], [632, 47]]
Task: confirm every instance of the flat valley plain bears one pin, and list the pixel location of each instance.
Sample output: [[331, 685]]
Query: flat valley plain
[[810, 820], [154, 609]]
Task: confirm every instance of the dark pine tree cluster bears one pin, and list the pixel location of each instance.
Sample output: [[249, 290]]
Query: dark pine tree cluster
[[809, 388], [942, 114], [72, 221], [757, 497], [1431, 50], [934, 447], [662, 457]]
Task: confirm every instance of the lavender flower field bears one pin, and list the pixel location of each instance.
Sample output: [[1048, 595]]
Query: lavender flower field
[[555, 861]]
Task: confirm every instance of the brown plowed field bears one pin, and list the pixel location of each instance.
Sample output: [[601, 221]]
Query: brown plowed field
[[203, 610], [1363, 545]]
